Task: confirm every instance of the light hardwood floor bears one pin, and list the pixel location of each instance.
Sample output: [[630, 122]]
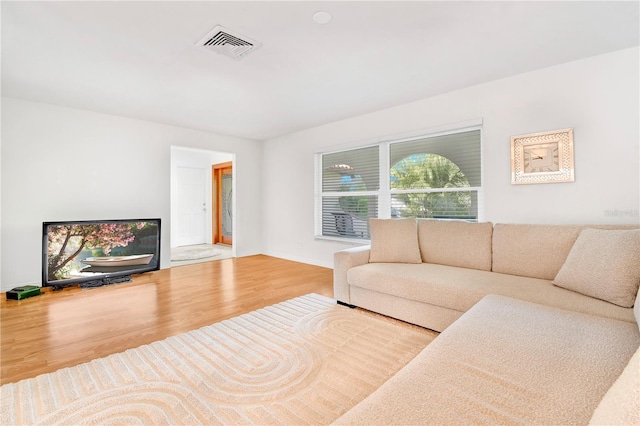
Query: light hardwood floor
[[65, 328]]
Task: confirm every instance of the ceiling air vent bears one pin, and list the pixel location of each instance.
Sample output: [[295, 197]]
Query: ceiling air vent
[[225, 42]]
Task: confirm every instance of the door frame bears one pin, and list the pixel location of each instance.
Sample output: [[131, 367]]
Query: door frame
[[216, 184]]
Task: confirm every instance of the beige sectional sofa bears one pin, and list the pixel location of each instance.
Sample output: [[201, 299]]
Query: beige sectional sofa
[[537, 321], [457, 264]]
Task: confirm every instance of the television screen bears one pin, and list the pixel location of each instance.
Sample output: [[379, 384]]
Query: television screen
[[100, 252]]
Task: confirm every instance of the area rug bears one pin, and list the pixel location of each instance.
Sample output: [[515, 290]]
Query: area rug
[[303, 361], [200, 251]]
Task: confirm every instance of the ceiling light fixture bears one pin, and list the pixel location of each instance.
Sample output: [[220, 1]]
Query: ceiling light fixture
[[321, 18]]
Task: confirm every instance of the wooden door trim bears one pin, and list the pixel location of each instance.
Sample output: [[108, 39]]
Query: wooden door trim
[[216, 184]]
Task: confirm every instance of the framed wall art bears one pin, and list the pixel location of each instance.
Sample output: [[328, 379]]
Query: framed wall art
[[545, 157]]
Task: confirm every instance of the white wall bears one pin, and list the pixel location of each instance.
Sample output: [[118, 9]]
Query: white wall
[[199, 159], [598, 97], [66, 164]]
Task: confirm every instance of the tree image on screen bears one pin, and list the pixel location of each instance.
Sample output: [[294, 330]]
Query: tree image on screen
[[68, 241]]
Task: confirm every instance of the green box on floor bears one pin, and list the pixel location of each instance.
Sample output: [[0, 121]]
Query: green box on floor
[[23, 292]]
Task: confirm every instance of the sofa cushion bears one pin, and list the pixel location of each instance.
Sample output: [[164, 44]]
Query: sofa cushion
[[394, 241], [536, 251], [456, 243], [604, 264], [460, 288], [506, 361], [621, 403]]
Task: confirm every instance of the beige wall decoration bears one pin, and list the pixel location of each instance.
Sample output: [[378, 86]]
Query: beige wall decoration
[[545, 157]]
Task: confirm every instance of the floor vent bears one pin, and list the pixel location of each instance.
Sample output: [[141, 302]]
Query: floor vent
[[228, 43]]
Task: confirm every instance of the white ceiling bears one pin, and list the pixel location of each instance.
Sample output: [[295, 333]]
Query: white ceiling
[[138, 59]]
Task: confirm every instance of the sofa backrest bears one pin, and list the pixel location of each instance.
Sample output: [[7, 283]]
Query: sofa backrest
[[536, 251], [456, 243]]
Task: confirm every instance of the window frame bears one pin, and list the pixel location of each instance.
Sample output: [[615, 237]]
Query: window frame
[[385, 193]]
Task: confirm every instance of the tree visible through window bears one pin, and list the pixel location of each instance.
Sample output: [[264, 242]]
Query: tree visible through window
[[429, 171]]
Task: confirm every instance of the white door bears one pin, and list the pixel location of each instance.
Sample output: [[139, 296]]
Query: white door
[[192, 207]]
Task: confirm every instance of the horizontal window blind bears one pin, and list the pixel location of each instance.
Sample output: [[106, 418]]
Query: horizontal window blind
[[462, 149], [436, 205], [350, 181], [348, 216], [349, 171], [437, 177]]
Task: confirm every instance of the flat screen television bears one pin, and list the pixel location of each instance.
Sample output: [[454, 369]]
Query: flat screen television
[[99, 252]]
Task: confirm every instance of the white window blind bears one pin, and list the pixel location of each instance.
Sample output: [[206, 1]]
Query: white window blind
[[437, 176], [350, 183]]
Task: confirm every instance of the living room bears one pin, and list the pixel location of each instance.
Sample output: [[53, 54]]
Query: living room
[[84, 160]]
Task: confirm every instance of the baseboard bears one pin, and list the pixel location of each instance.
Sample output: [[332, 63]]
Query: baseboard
[[300, 259]]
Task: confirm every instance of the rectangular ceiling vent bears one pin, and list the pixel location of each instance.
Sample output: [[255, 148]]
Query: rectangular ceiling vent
[[228, 43]]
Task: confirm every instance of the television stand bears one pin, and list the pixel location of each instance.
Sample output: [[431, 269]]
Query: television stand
[[105, 281]]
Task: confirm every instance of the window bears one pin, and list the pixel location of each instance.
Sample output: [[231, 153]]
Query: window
[[350, 184], [435, 176]]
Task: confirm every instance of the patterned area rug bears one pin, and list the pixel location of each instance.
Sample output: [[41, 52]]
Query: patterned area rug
[[200, 251], [303, 361]]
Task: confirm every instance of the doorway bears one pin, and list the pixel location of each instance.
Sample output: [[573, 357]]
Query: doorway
[[194, 220]]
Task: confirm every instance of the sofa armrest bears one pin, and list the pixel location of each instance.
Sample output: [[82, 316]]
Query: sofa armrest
[[344, 260]]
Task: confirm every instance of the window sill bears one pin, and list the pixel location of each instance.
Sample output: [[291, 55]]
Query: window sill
[[355, 241]]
